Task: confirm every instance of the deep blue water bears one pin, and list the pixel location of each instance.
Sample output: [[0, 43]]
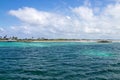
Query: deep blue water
[[59, 61]]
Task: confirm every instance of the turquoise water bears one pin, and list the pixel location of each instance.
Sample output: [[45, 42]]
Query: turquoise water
[[59, 61]]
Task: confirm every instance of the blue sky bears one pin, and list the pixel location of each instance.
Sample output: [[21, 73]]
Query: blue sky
[[60, 18]]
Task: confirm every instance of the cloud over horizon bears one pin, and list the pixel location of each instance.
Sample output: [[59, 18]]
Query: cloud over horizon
[[83, 22]]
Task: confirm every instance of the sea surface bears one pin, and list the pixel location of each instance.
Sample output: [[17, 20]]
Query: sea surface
[[59, 61]]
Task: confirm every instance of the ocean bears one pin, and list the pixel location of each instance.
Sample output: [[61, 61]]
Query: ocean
[[59, 61]]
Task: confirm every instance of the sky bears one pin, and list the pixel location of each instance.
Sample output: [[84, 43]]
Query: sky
[[79, 19]]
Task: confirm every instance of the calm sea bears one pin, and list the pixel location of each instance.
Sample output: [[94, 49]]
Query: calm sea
[[59, 61]]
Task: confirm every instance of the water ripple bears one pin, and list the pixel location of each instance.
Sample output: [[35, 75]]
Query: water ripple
[[59, 61]]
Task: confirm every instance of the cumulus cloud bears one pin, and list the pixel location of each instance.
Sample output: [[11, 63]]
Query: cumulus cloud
[[82, 23], [35, 17]]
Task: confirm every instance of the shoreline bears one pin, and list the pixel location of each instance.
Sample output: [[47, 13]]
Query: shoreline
[[98, 41], [47, 41]]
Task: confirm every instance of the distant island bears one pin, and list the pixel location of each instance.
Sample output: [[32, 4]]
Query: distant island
[[16, 39]]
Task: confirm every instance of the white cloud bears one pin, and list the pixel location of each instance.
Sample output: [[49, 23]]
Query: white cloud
[[34, 17], [84, 12], [82, 23], [1, 29], [92, 30]]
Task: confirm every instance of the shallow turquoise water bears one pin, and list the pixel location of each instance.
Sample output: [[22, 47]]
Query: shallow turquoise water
[[59, 61]]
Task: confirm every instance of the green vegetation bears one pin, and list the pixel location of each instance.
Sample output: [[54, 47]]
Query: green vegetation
[[104, 41], [32, 39]]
